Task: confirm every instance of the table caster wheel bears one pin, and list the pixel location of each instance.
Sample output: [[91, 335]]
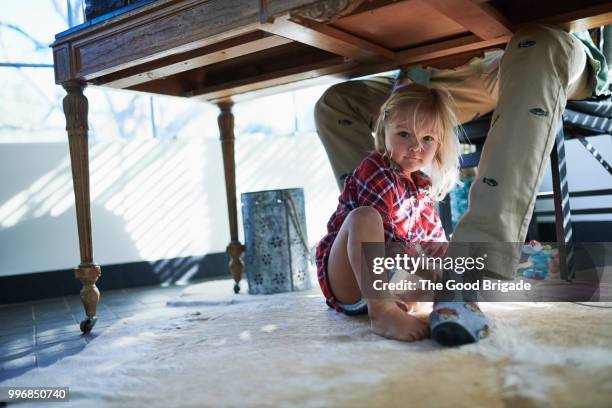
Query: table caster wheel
[[88, 323], [236, 288]]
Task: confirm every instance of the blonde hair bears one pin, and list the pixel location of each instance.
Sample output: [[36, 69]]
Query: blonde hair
[[427, 108]]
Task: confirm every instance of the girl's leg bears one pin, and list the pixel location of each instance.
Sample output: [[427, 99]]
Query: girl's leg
[[344, 270]]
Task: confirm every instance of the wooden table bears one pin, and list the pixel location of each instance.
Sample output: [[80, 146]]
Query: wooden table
[[223, 50]]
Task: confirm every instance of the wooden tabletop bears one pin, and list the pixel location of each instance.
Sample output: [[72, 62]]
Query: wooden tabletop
[[218, 49]]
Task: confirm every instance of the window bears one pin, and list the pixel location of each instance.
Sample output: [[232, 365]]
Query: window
[[32, 109]]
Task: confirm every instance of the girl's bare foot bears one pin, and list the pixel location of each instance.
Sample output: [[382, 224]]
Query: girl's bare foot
[[391, 321], [409, 307]]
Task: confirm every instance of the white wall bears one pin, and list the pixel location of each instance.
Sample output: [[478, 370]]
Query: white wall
[[150, 199], [156, 199]]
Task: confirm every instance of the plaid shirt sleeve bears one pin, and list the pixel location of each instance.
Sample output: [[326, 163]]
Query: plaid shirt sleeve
[[375, 185]]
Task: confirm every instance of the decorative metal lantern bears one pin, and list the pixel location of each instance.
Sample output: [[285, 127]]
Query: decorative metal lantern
[[276, 256]]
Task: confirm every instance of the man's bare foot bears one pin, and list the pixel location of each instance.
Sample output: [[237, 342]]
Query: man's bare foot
[[390, 321]]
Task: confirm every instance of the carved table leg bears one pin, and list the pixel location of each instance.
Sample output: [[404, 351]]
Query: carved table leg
[[75, 110], [226, 130]]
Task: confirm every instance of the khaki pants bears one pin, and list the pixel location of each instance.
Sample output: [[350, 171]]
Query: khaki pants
[[527, 85]]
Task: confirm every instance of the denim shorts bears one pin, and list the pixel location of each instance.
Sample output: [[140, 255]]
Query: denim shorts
[[358, 308]]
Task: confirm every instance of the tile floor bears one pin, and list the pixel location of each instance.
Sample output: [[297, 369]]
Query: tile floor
[[39, 333]]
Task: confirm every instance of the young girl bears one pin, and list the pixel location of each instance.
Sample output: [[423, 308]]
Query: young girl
[[388, 198]]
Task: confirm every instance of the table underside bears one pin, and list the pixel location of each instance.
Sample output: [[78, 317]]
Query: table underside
[[218, 49]]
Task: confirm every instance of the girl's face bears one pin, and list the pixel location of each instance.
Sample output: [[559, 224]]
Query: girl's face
[[411, 149]]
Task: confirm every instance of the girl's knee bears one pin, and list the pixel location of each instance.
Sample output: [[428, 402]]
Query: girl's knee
[[365, 217]]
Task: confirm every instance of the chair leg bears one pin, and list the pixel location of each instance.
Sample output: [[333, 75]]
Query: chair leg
[[532, 231], [591, 149], [563, 222], [446, 216]]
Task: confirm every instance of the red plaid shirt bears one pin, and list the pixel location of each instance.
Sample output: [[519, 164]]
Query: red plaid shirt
[[408, 215]]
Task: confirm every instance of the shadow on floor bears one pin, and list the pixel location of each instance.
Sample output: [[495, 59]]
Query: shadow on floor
[[39, 333]]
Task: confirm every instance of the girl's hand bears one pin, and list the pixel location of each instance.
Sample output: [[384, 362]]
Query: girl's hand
[[401, 82], [397, 84]]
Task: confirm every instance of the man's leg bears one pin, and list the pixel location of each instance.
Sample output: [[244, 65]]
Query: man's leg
[[345, 117], [542, 67], [473, 86]]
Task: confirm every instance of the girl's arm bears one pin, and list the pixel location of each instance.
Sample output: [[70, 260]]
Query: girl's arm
[[375, 185]]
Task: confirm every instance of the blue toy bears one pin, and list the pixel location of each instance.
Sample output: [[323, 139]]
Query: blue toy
[[538, 263]]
